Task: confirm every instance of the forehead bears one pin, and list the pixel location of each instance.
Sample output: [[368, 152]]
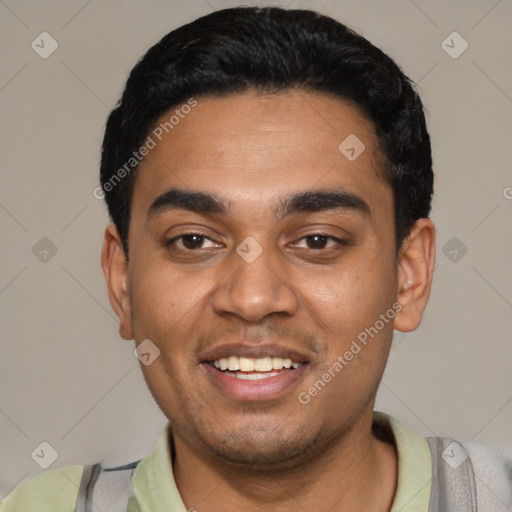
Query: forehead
[[253, 148]]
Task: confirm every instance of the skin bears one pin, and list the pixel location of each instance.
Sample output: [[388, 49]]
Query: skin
[[313, 296]]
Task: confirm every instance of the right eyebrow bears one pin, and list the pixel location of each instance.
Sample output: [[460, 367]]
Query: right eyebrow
[[198, 202]]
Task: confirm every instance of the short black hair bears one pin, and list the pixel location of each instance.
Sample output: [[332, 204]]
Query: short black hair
[[270, 50]]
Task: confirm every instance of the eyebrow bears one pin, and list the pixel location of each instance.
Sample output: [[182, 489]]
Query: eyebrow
[[308, 201], [198, 202], [320, 200]]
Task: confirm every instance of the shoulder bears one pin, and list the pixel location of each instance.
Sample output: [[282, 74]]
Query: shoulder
[[52, 491], [493, 475]]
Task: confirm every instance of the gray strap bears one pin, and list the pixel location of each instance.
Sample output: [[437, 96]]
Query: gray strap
[[453, 480], [112, 491], [89, 476], [105, 490]]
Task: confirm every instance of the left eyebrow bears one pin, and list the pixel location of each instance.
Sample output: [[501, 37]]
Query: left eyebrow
[[320, 200]]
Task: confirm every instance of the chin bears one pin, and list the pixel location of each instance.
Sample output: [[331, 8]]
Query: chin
[[267, 451]]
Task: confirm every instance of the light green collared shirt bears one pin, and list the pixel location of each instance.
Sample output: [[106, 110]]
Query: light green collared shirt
[[154, 488]]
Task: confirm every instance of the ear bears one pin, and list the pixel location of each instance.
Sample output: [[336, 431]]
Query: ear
[[416, 263], [115, 268]]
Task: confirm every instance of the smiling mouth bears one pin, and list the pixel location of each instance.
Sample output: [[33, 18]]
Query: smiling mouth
[[246, 368]]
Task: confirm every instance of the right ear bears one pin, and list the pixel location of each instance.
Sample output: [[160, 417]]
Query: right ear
[[115, 268]]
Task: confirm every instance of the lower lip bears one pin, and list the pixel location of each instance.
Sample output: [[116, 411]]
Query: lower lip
[[254, 390]]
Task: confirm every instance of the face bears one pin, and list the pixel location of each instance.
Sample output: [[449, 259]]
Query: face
[[259, 254]]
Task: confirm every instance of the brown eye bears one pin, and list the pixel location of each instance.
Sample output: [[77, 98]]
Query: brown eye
[[317, 241], [192, 241]]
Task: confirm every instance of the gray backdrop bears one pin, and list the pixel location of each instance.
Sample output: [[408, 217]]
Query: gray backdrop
[[68, 380]]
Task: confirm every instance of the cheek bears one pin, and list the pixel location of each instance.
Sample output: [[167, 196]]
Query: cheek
[[164, 301], [356, 342], [350, 296]]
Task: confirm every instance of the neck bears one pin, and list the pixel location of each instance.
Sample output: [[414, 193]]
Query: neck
[[358, 472]]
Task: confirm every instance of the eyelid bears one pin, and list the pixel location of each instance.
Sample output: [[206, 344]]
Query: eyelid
[[337, 240], [319, 231], [174, 239]]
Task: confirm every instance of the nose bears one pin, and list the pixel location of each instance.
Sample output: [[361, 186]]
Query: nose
[[255, 289]]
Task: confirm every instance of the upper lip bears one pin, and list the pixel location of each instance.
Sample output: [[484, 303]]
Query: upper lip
[[252, 351]]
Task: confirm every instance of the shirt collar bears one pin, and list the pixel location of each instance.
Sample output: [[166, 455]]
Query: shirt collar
[[154, 488]]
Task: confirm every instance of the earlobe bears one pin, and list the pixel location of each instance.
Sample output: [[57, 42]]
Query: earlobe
[[415, 272], [115, 268]]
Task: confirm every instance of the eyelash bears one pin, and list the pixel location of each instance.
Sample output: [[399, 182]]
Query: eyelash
[[170, 242], [338, 241], [332, 238]]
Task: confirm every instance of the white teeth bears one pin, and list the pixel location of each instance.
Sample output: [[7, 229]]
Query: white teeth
[[277, 363], [249, 364], [252, 376], [246, 376], [233, 363], [264, 364], [246, 364]]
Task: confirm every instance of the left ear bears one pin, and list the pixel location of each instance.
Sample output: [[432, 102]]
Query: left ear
[[416, 263]]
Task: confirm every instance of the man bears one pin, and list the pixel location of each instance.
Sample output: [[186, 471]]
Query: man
[[269, 177]]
